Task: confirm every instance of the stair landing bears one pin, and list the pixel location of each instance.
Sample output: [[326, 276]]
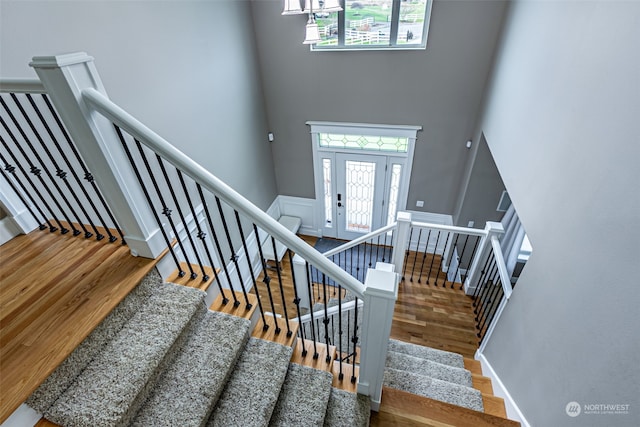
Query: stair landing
[[55, 290]]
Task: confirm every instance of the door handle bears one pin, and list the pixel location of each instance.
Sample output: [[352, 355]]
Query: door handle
[[339, 200]]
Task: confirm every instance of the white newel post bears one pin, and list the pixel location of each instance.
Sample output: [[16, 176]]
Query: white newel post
[[302, 280], [401, 244], [381, 292], [491, 229], [64, 77]]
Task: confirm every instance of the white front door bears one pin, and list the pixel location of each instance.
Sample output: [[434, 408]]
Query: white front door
[[359, 194]]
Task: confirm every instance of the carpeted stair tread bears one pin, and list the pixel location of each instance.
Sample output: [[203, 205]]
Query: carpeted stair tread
[[113, 387], [185, 393], [64, 375], [303, 398], [405, 362], [440, 356], [347, 409], [432, 388], [253, 388]]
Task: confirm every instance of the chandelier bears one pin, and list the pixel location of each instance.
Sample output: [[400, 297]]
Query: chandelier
[[312, 33]]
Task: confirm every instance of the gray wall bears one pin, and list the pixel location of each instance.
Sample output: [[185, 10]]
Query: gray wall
[[562, 124], [187, 69], [440, 89], [483, 191]]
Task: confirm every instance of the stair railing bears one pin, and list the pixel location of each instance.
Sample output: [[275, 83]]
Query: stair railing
[[179, 206], [50, 184]]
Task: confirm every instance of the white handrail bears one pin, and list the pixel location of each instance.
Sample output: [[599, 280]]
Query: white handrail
[[502, 266], [330, 311], [451, 228], [11, 85], [359, 240], [117, 115]]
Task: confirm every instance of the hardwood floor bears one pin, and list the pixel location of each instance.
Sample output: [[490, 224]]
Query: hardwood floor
[[49, 304], [425, 314]]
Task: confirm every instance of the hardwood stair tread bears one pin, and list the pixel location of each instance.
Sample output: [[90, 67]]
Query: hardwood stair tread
[[347, 372], [482, 383], [196, 282], [402, 408], [494, 405], [270, 334], [473, 366], [318, 363], [229, 308], [44, 320]]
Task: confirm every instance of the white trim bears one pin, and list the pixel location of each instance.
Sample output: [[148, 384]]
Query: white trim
[[9, 85], [406, 131], [8, 229], [24, 416], [513, 411], [302, 208]]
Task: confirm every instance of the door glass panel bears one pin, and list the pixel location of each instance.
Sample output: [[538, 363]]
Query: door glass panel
[[364, 142], [360, 183], [394, 188], [328, 203]]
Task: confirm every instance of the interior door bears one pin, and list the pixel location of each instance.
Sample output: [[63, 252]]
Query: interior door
[[359, 194]]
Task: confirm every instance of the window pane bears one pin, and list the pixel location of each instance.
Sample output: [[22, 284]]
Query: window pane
[[360, 182], [367, 22], [394, 188], [364, 142], [328, 203], [328, 27], [411, 21]]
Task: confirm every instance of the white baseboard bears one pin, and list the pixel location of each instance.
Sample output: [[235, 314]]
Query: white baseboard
[[8, 230], [24, 416], [513, 412]]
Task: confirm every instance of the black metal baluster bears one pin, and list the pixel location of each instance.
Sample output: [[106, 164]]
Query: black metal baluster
[[193, 274], [266, 280], [384, 250], [340, 373], [473, 253], [406, 254], [483, 272], [248, 258], [433, 257], [313, 331], [446, 243], [415, 258], [59, 172], [424, 255], [201, 235], [234, 256], [487, 303], [296, 299], [12, 170], [216, 242], [498, 299], [148, 197], [35, 171], [333, 259], [355, 342], [358, 264], [326, 316], [165, 209], [284, 302], [486, 289], [460, 257], [378, 249], [90, 179]]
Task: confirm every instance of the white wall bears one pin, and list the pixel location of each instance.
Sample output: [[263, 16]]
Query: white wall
[[187, 69], [562, 122]]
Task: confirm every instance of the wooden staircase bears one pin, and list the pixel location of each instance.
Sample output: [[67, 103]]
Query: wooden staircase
[[49, 305]]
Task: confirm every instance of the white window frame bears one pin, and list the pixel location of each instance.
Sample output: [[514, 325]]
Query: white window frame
[[393, 45], [405, 158]]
